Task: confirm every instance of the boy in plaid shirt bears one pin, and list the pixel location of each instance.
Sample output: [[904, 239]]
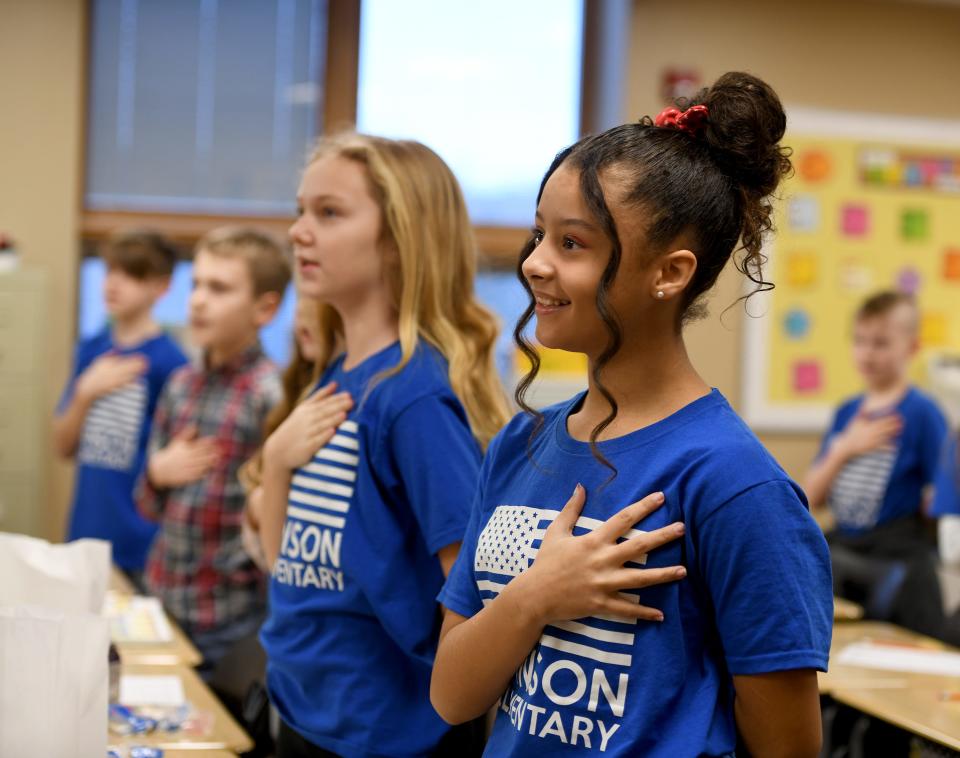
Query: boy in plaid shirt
[[208, 421]]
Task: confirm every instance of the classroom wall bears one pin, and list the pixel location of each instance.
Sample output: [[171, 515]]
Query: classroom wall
[[866, 55], [863, 55], [41, 94]]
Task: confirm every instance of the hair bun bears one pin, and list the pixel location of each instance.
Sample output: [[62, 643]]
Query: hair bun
[[744, 130]]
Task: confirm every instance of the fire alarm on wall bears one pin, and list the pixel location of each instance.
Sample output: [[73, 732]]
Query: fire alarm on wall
[[676, 83]]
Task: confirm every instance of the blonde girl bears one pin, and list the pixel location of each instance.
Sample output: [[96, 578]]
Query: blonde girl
[[365, 484]]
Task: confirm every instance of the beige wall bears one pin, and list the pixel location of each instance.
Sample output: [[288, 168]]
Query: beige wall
[[41, 91], [860, 55], [864, 55]]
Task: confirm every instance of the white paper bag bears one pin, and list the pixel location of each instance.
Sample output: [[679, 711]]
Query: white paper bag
[[54, 680], [71, 577]]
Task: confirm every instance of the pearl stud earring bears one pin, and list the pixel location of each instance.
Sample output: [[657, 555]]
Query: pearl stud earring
[[660, 294]]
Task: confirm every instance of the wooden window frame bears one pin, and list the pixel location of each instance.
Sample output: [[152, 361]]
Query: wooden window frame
[[498, 245]]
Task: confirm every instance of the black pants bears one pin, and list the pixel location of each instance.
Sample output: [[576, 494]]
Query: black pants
[[463, 741], [892, 571]]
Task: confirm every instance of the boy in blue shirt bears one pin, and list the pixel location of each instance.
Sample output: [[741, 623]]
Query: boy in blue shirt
[[876, 464], [103, 419]]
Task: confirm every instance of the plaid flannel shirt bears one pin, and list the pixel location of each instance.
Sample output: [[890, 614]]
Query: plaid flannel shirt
[[197, 565]]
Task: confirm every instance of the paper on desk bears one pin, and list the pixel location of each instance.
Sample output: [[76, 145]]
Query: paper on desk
[[899, 658], [135, 618], [136, 689]]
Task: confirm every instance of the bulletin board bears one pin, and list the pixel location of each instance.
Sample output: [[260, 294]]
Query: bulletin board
[[874, 204]]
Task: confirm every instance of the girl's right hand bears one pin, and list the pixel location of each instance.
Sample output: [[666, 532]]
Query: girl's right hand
[[309, 427], [573, 577]]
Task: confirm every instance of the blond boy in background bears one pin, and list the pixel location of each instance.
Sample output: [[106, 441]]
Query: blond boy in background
[[208, 422], [875, 470]]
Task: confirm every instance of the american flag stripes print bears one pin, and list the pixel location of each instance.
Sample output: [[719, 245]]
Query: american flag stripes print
[[508, 545]]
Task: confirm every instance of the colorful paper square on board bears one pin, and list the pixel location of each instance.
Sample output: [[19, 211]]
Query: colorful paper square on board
[[893, 175], [803, 212], [802, 269], [875, 165], [915, 224], [855, 277], [912, 177], [814, 165], [796, 323], [855, 220], [951, 264], [930, 169], [934, 329], [807, 376], [909, 280]]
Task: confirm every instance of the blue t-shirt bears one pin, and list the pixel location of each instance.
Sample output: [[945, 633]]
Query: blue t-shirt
[[887, 484], [946, 486], [113, 444], [354, 622], [757, 598]]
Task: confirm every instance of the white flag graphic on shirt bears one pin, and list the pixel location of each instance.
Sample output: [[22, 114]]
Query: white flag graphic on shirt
[[317, 508], [111, 430], [857, 494], [508, 545], [320, 491]]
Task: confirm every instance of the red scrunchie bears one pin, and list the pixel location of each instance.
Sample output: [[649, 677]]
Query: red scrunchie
[[692, 121]]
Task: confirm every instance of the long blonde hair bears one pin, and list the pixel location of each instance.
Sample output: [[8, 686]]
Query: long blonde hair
[[424, 218]]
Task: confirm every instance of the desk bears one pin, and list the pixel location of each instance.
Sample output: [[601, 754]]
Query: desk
[[190, 753], [227, 735], [846, 610], [907, 700], [179, 650], [856, 677], [916, 708]]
